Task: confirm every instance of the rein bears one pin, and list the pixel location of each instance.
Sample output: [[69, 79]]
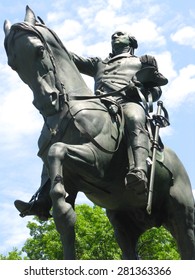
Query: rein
[[99, 95]]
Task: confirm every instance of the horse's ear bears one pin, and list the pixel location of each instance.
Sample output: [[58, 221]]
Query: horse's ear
[[41, 21], [30, 16], [6, 27]]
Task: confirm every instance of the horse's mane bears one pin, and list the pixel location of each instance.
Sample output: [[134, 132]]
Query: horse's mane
[[34, 29]]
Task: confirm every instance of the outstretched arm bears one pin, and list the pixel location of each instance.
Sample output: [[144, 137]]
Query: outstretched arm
[[85, 65]]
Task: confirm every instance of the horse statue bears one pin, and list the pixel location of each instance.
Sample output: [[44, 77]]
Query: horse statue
[[84, 150]]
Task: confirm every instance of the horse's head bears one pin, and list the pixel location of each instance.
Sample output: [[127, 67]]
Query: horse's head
[[41, 61]]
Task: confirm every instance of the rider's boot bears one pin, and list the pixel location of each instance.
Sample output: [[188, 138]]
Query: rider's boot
[[39, 205], [136, 178]]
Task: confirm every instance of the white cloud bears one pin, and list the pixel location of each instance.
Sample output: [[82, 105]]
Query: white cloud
[[105, 18], [13, 228], [76, 45], [185, 36], [146, 31], [110, 19], [166, 64], [182, 87], [101, 49], [167, 131], [18, 117], [101, 20], [53, 17], [68, 29], [115, 4], [89, 81]]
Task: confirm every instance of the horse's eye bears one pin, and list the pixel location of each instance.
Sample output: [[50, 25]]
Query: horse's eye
[[41, 50]]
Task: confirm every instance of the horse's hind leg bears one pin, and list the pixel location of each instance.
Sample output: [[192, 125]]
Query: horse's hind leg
[[126, 233], [185, 236], [181, 225]]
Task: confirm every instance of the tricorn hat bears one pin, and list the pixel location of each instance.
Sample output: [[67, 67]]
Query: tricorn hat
[[150, 77]]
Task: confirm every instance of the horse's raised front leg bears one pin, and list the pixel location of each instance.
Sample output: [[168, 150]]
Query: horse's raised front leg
[[63, 213], [78, 159]]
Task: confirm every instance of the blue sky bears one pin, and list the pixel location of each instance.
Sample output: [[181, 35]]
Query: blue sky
[[164, 29]]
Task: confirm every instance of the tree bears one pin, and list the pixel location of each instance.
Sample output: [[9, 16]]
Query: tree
[[94, 237], [157, 244], [44, 243], [94, 240], [13, 255]]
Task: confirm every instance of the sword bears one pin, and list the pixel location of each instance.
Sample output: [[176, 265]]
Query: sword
[[160, 121]]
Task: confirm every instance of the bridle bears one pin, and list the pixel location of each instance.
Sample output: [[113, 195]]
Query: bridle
[[34, 31], [65, 97]]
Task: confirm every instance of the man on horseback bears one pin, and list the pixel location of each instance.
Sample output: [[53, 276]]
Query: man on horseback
[[113, 74]]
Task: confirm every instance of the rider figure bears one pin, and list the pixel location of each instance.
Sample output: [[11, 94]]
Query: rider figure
[[112, 74]]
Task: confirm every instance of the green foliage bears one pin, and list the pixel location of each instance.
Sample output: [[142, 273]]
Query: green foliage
[[13, 255], [44, 243], [94, 240], [157, 244], [94, 235]]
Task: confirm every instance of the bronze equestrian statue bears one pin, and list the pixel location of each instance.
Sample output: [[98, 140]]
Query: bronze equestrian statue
[[84, 144], [111, 75]]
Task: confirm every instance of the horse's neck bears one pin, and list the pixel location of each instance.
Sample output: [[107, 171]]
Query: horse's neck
[[66, 71], [69, 75]]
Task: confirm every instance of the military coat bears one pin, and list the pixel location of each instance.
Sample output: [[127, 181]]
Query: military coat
[[114, 72]]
